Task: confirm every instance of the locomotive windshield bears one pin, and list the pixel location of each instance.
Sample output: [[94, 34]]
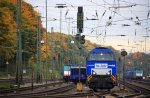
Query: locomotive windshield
[[103, 56]]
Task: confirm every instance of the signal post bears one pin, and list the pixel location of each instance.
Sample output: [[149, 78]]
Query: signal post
[[80, 39]]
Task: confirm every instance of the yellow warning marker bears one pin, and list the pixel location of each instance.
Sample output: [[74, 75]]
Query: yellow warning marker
[[79, 86]]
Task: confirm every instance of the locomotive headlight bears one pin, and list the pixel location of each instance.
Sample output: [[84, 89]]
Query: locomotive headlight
[[108, 73], [94, 73], [101, 54]]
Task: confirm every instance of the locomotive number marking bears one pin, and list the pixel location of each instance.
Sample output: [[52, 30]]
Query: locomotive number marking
[[103, 65]]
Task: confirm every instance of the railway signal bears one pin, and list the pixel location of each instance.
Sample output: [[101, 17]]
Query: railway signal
[[124, 53], [77, 37], [80, 38], [80, 20]]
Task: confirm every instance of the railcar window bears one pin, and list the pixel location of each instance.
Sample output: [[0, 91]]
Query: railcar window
[[83, 71], [101, 57], [76, 71]]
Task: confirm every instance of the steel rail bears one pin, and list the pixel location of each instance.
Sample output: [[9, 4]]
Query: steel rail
[[47, 93], [19, 90], [139, 90]]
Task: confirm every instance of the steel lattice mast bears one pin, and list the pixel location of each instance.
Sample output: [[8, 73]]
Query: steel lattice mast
[[19, 45]]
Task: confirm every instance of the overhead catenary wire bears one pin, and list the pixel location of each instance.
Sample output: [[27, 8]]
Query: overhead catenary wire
[[105, 9]]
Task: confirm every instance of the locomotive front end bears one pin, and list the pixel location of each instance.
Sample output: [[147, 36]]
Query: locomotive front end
[[101, 69]]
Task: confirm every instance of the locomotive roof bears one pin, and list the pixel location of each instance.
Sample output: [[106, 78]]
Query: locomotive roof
[[78, 67], [101, 49]]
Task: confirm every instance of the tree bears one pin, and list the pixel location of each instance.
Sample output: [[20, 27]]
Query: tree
[[7, 33]]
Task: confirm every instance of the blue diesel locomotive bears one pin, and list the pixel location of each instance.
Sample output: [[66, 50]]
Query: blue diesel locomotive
[[101, 69]]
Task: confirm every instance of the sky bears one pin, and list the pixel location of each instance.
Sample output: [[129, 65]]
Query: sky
[[113, 19]]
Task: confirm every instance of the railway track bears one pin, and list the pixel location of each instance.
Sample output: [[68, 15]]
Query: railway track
[[29, 88], [141, 82], [40, 93], [61, 91], [139, 90]]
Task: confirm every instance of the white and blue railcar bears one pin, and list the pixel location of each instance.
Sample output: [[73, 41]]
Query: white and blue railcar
[[134, 74], [101, 69], [66, 73]]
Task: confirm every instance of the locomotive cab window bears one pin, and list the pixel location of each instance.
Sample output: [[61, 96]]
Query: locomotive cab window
[[107, 56]]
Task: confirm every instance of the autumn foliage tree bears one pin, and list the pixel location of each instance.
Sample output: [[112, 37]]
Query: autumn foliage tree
[[7, 30]]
